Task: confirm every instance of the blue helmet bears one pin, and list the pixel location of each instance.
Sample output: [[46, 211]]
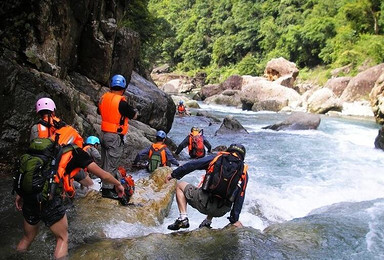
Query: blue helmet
[[181, 102], [161, 134], [92, 140], [118, 81]]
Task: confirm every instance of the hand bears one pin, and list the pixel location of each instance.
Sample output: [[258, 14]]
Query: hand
[[238, 224], [19, 203], [120, 190]]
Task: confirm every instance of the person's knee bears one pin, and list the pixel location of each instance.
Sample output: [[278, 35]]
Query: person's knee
[[181, 185]]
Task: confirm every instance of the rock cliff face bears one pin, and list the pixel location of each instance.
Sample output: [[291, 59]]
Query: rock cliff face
[[68, 50]]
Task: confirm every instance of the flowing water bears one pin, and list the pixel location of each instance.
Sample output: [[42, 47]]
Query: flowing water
[[313, 194]]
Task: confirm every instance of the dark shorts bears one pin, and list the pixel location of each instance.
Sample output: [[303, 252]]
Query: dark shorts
[[199, 200], [50, 212]]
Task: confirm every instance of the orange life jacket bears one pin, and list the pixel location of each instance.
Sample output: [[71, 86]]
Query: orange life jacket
[[46, 126], [66, 178], [68, 135], [181, 108], [111, 119], [159, 146], [85, 148]]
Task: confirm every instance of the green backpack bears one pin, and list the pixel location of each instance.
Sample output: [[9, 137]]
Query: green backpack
[[36, 168], [155, 158]]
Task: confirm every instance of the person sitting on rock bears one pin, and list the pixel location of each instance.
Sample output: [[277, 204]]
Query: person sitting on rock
[[196, 143], [158, 153]]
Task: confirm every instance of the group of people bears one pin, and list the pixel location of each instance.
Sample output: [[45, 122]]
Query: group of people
[[84, 159], [75, 163]]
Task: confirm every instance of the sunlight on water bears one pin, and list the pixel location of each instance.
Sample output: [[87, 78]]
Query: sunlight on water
[[375, 237], [295, 172]]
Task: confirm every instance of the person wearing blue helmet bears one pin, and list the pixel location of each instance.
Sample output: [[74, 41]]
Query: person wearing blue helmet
[[91, 147], [115, 113], [181, 110], [158, 154]]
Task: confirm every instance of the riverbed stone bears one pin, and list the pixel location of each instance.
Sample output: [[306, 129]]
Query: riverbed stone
[[297, 121], [151, 201]]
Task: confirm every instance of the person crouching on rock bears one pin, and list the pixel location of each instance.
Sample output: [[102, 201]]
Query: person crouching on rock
[[217, 195]]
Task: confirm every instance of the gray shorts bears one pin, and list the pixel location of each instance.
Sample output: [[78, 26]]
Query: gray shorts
[[199, 200]]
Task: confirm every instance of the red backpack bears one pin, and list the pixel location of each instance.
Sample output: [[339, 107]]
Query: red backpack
[[196, 144]]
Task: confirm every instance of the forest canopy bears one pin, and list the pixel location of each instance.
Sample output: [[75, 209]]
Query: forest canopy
[[240, 36]]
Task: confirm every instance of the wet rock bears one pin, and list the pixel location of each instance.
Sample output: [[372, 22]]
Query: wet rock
[[297, 121], [151, 203], [231, 125]]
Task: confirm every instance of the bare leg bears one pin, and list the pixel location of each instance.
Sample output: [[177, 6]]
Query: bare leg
[[60, 230], [30, 232], [180, 198]]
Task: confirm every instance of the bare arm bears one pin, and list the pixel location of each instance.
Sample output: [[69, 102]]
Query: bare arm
[[87, 182], [106, 176], [19, 202]]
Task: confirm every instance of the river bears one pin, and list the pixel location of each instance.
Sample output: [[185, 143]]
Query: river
[[313, 194]]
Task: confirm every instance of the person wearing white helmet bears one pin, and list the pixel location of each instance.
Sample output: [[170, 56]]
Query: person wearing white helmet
[[158, 153], [49, 122], [115, 113]]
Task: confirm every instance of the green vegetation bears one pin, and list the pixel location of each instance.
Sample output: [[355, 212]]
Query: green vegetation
[[225, 37]]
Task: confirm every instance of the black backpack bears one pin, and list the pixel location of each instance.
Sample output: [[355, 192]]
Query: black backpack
[[223, 178], [37, 168]]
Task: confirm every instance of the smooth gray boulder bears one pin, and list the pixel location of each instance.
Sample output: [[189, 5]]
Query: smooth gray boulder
[[297, 121]]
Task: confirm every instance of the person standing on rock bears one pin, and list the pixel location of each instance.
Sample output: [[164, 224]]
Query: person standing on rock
[[196, 143], [51, 208], [115, 113], [181, 110], [222, 190], [91, 147]]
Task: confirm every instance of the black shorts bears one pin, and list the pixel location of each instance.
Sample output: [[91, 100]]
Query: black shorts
[[49, 212], [199, 200]]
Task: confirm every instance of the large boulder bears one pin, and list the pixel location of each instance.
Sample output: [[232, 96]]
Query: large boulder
[[234, 82], [231, 125], [263, 95], [228, 97], [297, 121], [379, 140], [360, 86], [67, 51], [337, 85], [322, 101], [279, 67], [377, 99]]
